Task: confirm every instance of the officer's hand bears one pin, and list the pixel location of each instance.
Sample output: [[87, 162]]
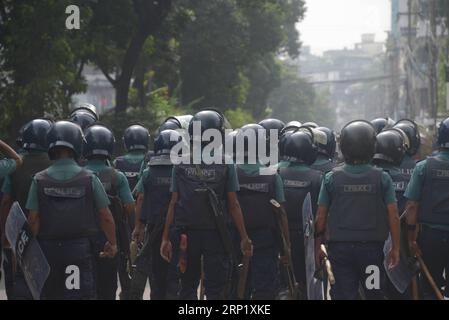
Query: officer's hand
[[109, 250], [138, 233], [393, 258], [414, 249], [285, 259], [319, 255], [166, 250], [247, 247]]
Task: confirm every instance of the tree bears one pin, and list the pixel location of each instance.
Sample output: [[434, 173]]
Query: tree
[[119, 30]]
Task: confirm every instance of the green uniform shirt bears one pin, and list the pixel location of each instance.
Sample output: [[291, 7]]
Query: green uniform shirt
[[62, 170], [283, 164], [7, 166], [321, 160], [134, 157], [324, 198], [124, 192], [254, 170], [232, 183], [414, 188], [139, 186]]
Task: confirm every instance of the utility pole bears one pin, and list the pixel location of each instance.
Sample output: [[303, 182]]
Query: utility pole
[[433, 76], [409, 99]]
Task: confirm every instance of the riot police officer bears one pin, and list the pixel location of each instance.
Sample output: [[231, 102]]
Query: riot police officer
[[428, 198], [84, 115], [98, 150], [15, 188], [357, 209], [271, 126], [200, 192], [289, 128], [255, 194], [299, 179], [153, 197], [66, 205], [136, 140], [411, 129], [326, 152]]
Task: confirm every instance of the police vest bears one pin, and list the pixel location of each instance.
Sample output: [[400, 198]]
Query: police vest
[[66, 208], [156, 193], [254, 197], [357, 211], [21, 178], [129, 169], [434, 205], [407, 167], [324, 167], [193, 208], [108, 178], [297, 184]]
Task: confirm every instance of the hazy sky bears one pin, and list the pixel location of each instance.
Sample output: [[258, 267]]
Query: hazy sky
[[335, 24]]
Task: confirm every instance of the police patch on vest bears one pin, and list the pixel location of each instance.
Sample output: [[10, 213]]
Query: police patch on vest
[[407, 171], [399, 185], [163, 181], [296, 184], [73, 192], [358, 188], [259, 187], [439, 173], [201, 173], [129, 174]]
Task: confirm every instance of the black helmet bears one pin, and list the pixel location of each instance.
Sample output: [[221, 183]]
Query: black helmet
[[86, 108], [358, 141], [380, 124], [291, 126], [327, 149], [65, 134], [299, 146], [272, 124], [34, 135], [209, 119], [443, 134], [312, 125], [165, 141], [410, 128], [170, 123], [100, 141], [390, 147], [83, 118], [231, 143], [136, 137]]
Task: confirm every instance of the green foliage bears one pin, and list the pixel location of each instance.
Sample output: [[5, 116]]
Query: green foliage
[[238, 117]]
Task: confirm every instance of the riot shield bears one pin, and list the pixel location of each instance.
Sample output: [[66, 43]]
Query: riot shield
[[27, 251], [315, 289]]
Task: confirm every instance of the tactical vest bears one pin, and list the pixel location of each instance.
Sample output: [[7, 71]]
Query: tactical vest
[[324, 167], [434, 205], [66, 208], [129, 169], [193, 208], [108, 178], [21, 178], [156, 193], [357, 211], [254, 197], [297, 184], [407, 167]]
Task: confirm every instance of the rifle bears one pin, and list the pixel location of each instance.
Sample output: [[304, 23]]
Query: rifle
[[243, 277], [292, 283]]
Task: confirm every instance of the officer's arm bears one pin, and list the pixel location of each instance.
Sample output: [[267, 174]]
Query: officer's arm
[[34, 221], [412, 220], [236, 213], [395, 225], [320, 223], [10, 153], [139, 202], [170, 216], [107, 224]]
